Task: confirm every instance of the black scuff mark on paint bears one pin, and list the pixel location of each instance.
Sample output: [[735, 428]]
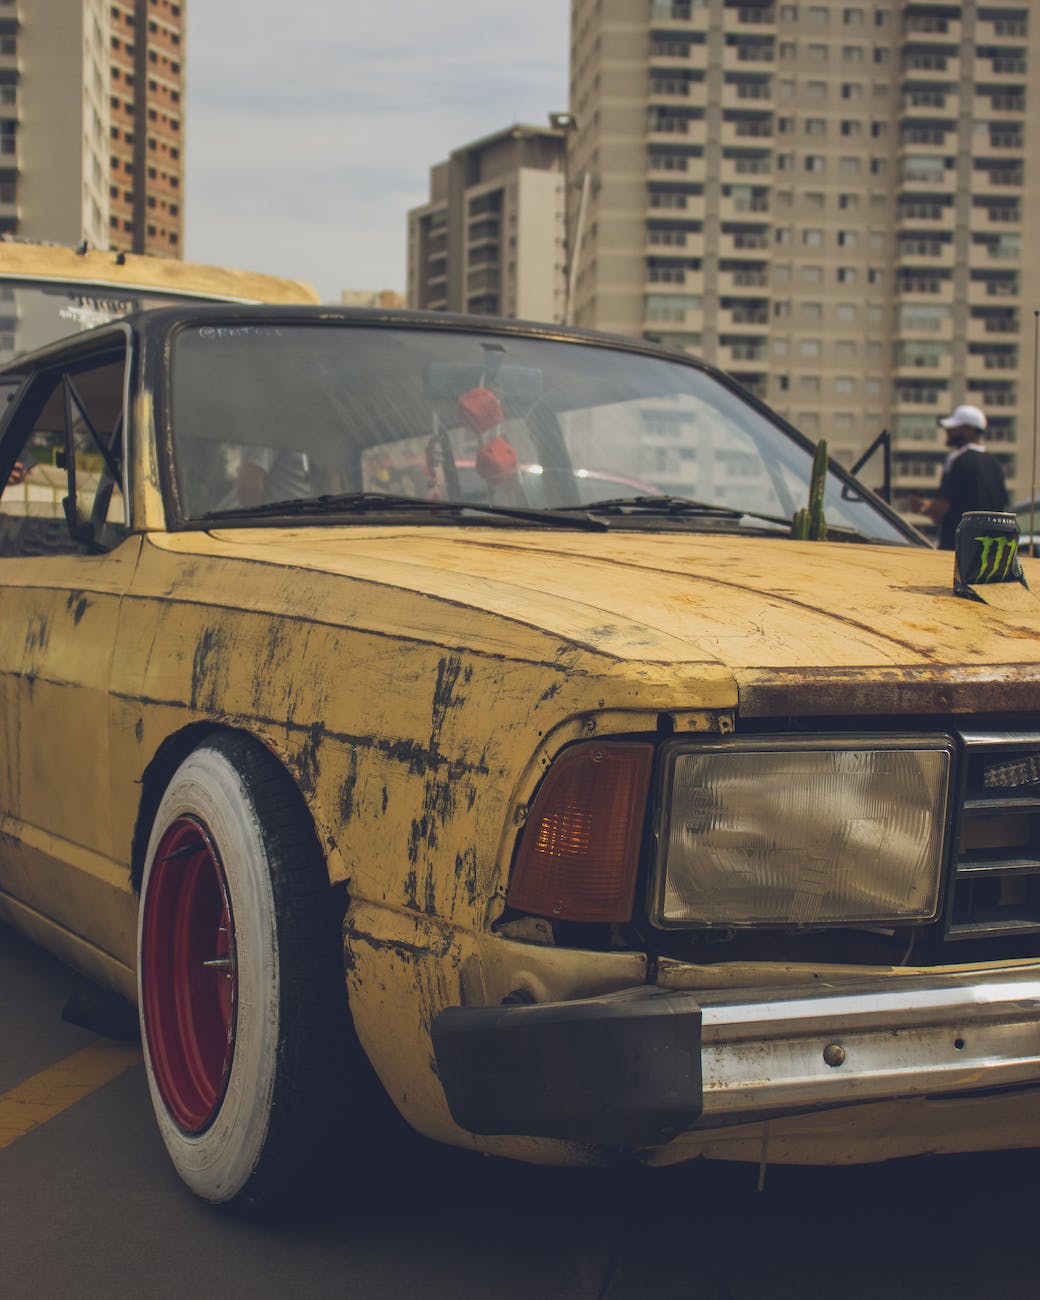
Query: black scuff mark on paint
[[348, 790], [386, 798], [442, 777], [421, 833], [449, 670], [411, 886], [418, 758], [430, 898], [37, 634], [552, 690], [308, 758], [77, 604], [139, 730], [466, 875], [211, 652], [439, 948]]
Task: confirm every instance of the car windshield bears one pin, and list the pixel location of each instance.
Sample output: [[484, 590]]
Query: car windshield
[[263, 414]]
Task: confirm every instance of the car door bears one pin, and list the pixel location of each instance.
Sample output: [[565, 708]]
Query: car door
[[66, 558]]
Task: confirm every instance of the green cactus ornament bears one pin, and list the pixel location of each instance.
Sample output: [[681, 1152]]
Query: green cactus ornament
[[808, 524]]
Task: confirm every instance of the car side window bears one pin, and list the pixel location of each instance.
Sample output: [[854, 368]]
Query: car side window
[[63, 492]]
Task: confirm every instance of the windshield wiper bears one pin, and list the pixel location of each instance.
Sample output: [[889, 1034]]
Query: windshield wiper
[[356, 503], [686, 507], [674, 507]]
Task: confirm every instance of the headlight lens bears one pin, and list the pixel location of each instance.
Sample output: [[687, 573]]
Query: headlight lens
[[819, 831]]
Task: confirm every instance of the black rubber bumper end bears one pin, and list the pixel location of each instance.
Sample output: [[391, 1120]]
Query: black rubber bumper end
[[622, 1070]]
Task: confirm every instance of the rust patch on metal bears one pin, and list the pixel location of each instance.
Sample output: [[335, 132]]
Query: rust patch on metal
[[829, 692]]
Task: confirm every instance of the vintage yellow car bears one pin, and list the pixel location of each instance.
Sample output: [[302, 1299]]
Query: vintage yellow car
[[633, 828]]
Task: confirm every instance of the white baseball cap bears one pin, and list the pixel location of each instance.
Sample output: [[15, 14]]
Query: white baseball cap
[[965, 415]]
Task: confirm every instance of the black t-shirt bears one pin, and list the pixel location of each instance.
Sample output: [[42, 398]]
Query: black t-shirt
[[973, 481]]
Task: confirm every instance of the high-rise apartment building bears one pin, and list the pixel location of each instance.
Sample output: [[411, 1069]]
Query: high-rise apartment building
[[54, 120], [91, 104], [147, 147], [827, 198], [491, 238]]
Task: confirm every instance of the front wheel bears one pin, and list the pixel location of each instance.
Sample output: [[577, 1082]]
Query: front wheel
[[240, 986]]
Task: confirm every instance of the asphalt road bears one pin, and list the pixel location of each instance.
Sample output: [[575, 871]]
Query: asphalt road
[[89, 1207]]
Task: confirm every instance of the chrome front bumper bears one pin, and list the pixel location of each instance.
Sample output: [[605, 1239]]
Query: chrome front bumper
[[905, 1036], [636, 1068]]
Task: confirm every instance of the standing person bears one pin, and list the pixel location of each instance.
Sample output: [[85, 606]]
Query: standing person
[[972, 479]]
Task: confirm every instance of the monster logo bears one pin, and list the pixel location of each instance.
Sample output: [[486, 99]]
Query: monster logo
[[996, 558], [986, 551]]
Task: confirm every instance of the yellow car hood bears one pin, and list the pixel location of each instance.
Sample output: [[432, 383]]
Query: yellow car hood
[[824, 627]]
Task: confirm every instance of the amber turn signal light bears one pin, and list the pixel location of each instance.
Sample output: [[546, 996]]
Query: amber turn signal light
[[579, 853]]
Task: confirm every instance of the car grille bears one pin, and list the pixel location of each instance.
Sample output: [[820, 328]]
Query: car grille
[[995, 875]]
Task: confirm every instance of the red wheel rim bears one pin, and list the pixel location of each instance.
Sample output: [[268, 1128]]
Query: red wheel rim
[[188, 978]]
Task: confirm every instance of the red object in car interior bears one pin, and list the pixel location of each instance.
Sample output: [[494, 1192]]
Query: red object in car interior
[[496, 462], [481, 409], [579, 854]]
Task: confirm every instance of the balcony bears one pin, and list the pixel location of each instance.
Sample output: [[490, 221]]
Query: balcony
[[737, 207], [744, 322], [684, 243], [924, 251], [748, 54], [932, 66], [674, 90], [668, 12], [1002, 106], [662, 204], [1007, 66], [912, 364], [747, 244], [940, 28], [748, 131], [747, 169], [753, 279], [663, 311], [747, 94], [997, 218], [670, 130], [999, 31], [696, 59], [925, 215], [911, 287], [918, 140], [996, 180], [991, 329], [749, 353]]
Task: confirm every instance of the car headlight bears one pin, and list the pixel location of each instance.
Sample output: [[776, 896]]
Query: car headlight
[[813, 831]]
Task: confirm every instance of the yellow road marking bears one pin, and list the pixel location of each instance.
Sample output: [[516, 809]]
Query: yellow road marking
[[53, 1090]]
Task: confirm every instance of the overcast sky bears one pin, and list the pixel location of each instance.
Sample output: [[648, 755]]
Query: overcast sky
[[311, 127]]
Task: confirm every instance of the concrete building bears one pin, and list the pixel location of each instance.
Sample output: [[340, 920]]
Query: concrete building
[[54, 120], [827, 199], [91, 101], [147, 147], [491, 238]]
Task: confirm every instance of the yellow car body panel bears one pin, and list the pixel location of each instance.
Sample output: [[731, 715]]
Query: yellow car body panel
[[522, 642]]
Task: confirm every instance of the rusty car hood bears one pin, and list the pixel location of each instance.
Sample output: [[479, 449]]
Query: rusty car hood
[[832, 627]]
